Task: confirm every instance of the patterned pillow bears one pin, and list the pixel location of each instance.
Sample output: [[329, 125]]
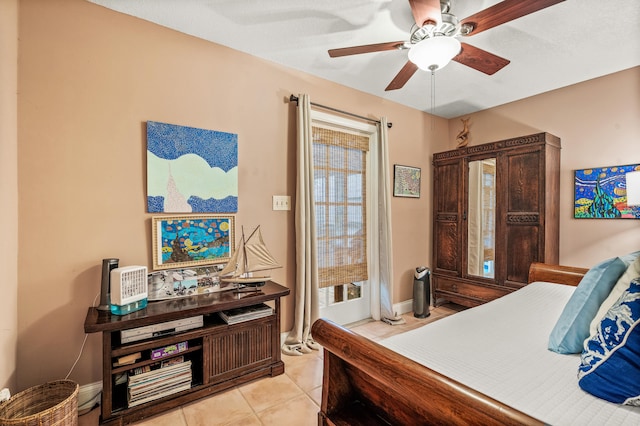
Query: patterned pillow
[[610, 368], [632, 271]]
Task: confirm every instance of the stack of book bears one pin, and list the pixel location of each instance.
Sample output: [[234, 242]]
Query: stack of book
[[147, 384], [234, 316]]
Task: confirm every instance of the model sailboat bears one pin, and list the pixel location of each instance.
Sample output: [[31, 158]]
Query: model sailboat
[[250, 256]]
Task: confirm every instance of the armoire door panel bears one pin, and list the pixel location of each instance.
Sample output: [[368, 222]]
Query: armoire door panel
[[446, 240], [446, 219], [446, 187], [523, 181], [522, 246]]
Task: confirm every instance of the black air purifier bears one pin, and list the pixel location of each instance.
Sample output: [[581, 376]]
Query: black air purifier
[[105, 285], [421, 292]]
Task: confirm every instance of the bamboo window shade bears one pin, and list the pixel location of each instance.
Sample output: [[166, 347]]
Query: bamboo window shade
[[340, 203]]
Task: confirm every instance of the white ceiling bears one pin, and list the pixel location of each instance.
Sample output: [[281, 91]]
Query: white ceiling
[[564, 44]]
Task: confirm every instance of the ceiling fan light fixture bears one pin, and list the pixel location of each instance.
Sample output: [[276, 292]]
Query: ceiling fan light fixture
[[434, 53]]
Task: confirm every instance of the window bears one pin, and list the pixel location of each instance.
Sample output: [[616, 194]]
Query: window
[[340, 206]]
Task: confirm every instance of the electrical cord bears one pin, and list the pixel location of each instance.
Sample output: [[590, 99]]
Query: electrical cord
[[86, 335], [90, 404], [79, 355], [93, 401]]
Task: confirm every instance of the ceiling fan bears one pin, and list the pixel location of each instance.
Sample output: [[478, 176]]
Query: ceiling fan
[[436, 31]]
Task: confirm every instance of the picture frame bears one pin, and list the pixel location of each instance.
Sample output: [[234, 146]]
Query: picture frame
[[406, 181], [601, 193], [192, 240]]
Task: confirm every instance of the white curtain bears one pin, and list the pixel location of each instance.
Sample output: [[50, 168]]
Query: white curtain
[[385, 247], [299, 340]]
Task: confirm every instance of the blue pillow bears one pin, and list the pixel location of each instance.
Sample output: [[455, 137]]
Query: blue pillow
[[572, 328], [610, 368]]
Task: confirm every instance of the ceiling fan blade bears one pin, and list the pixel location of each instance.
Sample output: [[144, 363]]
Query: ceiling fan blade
[[368, 48], [505, 11], [425, 10], [480, 60], [403, 76]]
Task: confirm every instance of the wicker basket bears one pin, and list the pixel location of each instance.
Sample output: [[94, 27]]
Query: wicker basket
[[51, 404]]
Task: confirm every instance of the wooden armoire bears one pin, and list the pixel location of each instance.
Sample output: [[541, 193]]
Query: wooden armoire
[[495, 210]]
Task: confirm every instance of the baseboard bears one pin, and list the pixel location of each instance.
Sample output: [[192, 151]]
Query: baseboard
[[398, 308], [403, 307], [89, 395]]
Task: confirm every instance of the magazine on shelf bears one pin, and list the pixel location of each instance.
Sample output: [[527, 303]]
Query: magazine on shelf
[[159, 372], [158, 381], [168, 392], [156, 388], [159, 392], [172, 361], [247, 313]]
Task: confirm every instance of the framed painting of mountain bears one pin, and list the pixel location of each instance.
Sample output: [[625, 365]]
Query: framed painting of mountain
[[601, 193], [191, 170]]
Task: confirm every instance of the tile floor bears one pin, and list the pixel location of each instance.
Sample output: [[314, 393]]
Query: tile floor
[[292, 398]]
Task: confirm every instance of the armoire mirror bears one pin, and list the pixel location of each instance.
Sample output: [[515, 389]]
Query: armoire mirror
[[481, 223]]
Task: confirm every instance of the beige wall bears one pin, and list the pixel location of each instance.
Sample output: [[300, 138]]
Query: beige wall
[[89, 80], [8, 191], [598, 123]]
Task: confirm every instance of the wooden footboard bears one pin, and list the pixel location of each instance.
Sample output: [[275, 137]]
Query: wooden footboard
[[365, 383], [559, 274]]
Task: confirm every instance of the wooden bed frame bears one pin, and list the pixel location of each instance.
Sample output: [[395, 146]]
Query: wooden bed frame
[[365, 383]]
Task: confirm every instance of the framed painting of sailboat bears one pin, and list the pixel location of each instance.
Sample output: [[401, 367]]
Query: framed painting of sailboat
[[194, 240]]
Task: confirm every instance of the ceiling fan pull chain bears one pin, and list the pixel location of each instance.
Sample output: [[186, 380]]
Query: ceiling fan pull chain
[[433, 97]]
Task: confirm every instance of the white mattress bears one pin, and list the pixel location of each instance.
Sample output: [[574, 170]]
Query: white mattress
[[500, 349]]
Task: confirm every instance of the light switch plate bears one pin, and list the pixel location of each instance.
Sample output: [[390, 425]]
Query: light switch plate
[[281, 202]]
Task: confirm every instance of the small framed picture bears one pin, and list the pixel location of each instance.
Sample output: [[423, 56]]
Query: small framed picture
[[186, 241], [406, 181]]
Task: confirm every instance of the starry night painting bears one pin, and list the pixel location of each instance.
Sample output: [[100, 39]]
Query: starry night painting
[[191, 170], [184, 241], [602, 193]]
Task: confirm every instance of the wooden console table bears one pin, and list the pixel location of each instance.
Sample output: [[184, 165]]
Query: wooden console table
[[222, 355]]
